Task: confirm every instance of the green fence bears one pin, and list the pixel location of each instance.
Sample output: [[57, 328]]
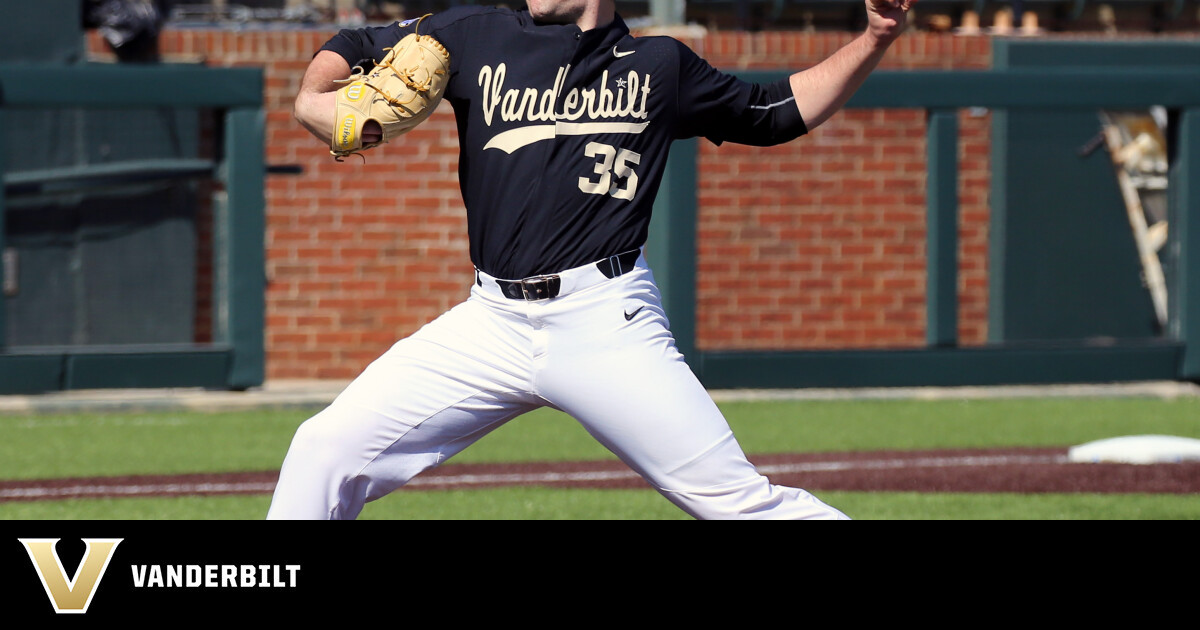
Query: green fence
[[1173, 356], [234, 359]]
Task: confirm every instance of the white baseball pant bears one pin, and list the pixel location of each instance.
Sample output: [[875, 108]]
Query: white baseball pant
[[601, 352]]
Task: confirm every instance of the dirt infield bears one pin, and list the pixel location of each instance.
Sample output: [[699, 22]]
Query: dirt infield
[[1025, 470]]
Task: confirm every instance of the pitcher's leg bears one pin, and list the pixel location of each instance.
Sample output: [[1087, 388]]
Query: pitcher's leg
[[420, 403], [677, 439], [346, 456], [624, 380]]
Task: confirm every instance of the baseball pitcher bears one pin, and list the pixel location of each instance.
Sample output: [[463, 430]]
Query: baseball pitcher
[[565, 120]]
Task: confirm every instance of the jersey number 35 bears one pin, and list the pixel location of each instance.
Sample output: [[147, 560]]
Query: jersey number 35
[[614, 168]]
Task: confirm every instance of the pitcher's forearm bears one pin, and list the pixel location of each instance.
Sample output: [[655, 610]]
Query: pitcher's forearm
[[824, 88], [314, 106], [315, 111]]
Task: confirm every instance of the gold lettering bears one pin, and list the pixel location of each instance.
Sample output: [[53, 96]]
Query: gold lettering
[[643, 113], [605, 106]]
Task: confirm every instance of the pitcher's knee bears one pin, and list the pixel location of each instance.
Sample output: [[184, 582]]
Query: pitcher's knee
[[316, 443], [319, 476]]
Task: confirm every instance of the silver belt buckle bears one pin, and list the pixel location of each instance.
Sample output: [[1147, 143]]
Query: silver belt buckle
[[537, 287]]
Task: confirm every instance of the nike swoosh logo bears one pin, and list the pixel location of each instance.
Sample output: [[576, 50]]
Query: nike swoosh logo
[[618, 54], [629, 316]]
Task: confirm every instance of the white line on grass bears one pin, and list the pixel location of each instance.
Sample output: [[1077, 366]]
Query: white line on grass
[[468, 480], [94, 421], [134, 490]]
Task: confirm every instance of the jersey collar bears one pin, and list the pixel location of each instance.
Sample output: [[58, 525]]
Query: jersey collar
[[609, 33]]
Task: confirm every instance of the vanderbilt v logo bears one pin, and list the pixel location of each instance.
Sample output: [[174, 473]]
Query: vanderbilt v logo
[[72, 595]]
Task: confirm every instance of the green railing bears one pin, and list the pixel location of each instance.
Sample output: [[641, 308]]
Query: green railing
[[1176, 356], [235, 358]]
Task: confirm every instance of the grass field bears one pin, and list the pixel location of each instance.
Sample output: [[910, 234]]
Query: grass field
[[51, 446]]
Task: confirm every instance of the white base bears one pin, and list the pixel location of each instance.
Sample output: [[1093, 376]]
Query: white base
[[1138, 449]]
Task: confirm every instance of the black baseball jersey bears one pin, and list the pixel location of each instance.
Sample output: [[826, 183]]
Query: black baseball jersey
[[564, 133]]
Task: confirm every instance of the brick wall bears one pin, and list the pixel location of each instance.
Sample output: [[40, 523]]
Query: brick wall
[[819, 243]]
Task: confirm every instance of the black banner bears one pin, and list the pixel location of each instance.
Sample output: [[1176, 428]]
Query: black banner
[[75, 571]]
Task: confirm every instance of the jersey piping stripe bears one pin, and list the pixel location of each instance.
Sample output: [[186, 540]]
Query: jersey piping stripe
[[774, 105]]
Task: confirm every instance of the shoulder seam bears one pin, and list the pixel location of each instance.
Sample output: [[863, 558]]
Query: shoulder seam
[[484, 11]]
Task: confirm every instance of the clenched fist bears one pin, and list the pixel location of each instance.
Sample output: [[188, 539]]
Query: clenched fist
[[886, 19]]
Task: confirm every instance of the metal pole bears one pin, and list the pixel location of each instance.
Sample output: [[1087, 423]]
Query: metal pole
[[942, 233], [1184, 202], [3, 248], [667, 12]]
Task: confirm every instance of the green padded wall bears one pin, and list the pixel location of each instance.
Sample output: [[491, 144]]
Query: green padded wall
[[48, 31], [1064, 264]]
